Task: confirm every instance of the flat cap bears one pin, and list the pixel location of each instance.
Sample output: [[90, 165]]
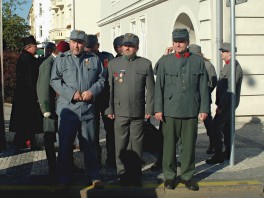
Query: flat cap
[[63, 46], [29, 40], [180, 34], [130, 39], [118, 41], [77, 35], [91, 40], [195, 48], [226, 47]]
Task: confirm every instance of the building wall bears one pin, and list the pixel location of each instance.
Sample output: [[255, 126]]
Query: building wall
[[199, 16]]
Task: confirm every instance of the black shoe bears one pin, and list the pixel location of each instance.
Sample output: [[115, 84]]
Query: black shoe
[[190, 184], [226, 155], [110, 163], [156, 166], [136, 183], [123, 180], [169, 184], [211, 150], [215, 160]]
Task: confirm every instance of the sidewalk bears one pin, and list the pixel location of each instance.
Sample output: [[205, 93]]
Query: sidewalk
[[27, 171]]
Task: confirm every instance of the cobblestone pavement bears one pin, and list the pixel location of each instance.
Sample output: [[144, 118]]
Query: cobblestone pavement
[[31, 167]]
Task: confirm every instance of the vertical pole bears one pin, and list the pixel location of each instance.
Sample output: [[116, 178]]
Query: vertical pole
[[219, 34], [233, 82], [2, 119]]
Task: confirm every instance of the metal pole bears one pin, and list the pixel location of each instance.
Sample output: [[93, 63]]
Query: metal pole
[[219, 34], [233, 82]]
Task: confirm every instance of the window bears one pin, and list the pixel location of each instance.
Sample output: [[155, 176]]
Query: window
[[133, 28], [40, 9], [142, 37], [40, 31]]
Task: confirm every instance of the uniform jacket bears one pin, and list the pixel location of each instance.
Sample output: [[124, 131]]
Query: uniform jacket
[[25, 114], [131, 87], [102, 100], [181, 88], [223, 89], [70, 74], [47, 95]]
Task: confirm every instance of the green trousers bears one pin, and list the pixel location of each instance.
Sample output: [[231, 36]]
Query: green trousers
[[186, 129]]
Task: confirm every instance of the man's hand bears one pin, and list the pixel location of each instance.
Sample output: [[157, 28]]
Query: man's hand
[[148, 116], [111, 116], [87, 96], [77, 96], [168, 50], [203, 116], [159, 116]]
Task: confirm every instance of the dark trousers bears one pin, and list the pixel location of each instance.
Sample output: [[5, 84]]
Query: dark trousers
[[110, 136], [186, 129], [128, 132], [220, 129], [49, 140], [208, 126]]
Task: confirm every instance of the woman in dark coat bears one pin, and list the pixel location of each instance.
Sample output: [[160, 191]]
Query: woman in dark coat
[[26, 118]]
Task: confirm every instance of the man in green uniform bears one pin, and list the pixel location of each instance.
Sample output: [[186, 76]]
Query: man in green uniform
[[221, 121], [181, 94], [131, 83]]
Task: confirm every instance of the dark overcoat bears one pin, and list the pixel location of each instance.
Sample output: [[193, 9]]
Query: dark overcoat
[[25, 114]]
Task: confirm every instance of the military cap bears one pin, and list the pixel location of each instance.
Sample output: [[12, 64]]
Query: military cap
[[226, 47], [77, 35], [29, 40], [118, 41], [50, 45], [130, 39], [91, 40], [195, 48], [180, 34]]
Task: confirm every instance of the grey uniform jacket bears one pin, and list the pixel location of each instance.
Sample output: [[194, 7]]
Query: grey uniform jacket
[[223, 88], [181, 88], [47, 95], [131, 87], [70, 74]]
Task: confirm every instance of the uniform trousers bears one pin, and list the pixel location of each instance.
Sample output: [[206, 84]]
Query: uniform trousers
[[128, 136], [186, 129], [220, 129], [67, 133]]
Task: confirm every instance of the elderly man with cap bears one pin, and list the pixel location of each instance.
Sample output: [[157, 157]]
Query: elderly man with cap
[[222, 119], [118, 43], [101, 104], [78, 78], [212, 80], [47, 100], [26, 118], [131, 83], [181, 94]]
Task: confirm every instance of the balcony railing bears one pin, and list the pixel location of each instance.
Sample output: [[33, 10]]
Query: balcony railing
[[59, 34]]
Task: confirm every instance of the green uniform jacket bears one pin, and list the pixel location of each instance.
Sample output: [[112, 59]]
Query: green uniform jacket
[[181, 88], [46, 95], [131, 87]]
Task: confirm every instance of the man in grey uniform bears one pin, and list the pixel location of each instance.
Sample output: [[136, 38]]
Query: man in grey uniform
[[131, 83], [78, 78], [221, 121], [181, 94]]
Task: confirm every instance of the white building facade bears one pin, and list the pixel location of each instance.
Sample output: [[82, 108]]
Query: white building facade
[[154, 20]]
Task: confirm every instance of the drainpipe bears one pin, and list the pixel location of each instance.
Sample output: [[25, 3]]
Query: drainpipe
[[219, 35], [73, 13]]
